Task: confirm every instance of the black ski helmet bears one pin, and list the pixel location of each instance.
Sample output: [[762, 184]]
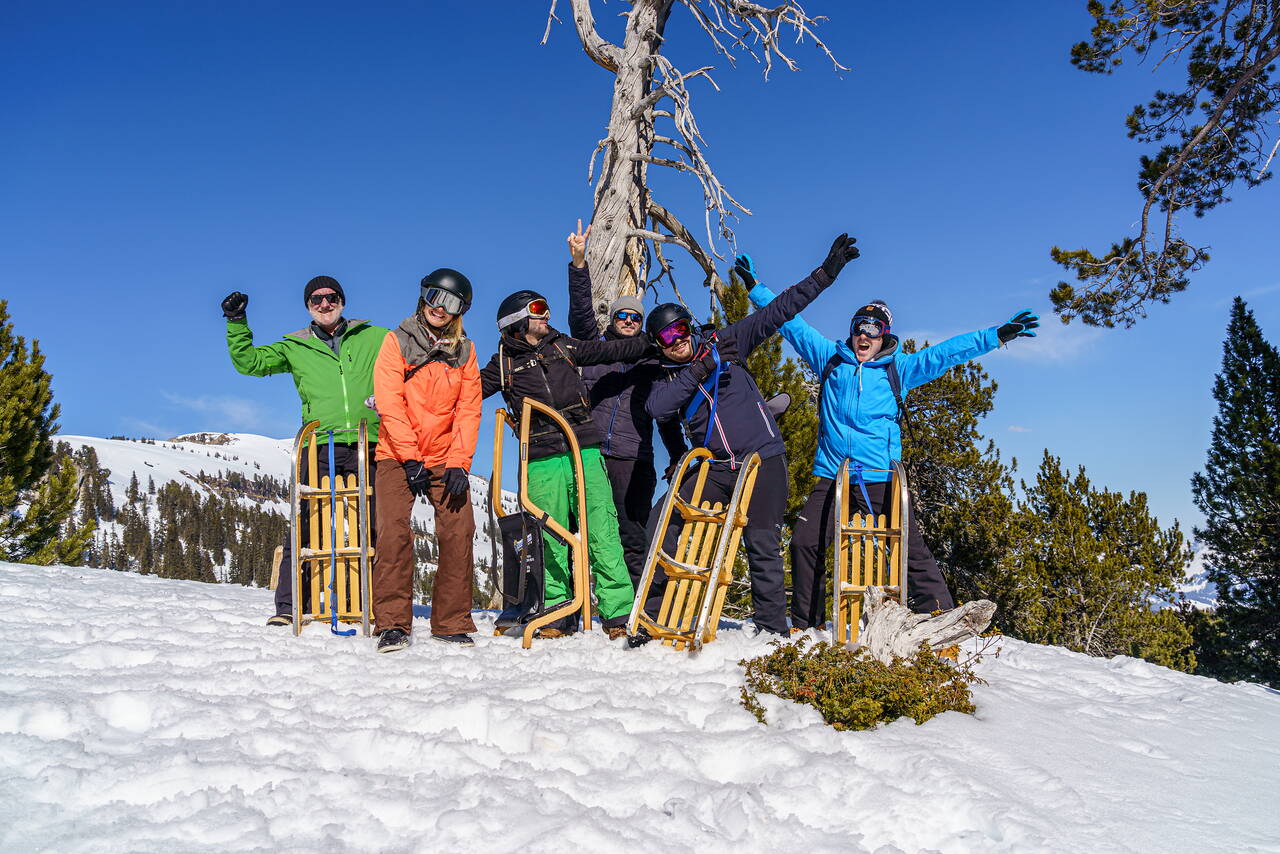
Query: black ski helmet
[[665, 314], [449, 280], [512, 306]]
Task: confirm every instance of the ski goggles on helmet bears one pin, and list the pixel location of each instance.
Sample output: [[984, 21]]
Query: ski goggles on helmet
[[674, 332], [627, 314], [872, 327], [318, 299], [537, 308], [447, 300]]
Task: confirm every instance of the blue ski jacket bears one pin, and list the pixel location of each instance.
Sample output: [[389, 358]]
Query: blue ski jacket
[[857, 413]]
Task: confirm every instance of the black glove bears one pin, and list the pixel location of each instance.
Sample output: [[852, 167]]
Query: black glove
[[670, 470], [456, 481], [234, 305], [842, 252], [703, 366], [418, 476], [1019, 326], [746, 270]]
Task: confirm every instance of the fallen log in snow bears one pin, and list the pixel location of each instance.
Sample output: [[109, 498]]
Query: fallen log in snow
[[893, 630]]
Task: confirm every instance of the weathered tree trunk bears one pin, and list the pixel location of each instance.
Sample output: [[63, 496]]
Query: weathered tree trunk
[[624, 215], [893, 630], [615, 253]]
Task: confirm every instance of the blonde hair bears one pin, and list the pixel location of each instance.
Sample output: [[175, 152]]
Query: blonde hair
[[451, 336]]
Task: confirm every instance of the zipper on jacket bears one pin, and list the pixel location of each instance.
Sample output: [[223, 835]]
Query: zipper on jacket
[[765, 416]]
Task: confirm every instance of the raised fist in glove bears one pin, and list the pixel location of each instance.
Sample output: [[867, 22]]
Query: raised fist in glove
[[842, 252], [418, 476], [1021, 325], [456, 481], [746, 270], [234, 305]]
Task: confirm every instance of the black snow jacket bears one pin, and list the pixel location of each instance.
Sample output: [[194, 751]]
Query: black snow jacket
[[548, 372], [618, 390], [743, 424]]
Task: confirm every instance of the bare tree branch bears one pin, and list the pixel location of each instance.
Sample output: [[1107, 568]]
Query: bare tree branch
[[604, 53]]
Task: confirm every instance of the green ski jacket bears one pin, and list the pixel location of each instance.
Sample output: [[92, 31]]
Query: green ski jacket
[[333, 388]]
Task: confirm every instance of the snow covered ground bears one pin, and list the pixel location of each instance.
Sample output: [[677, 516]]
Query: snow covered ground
[[142, 714]]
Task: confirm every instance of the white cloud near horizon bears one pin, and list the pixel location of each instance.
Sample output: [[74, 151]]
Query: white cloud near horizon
[[234, 413], [1017, 428]]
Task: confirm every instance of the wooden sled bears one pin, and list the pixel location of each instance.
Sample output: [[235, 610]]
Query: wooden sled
[[580, 601], [700, 571], [334, 566], [869, 551]]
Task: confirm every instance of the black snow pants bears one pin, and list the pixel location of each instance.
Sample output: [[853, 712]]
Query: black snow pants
[[633, 482], [762, 538], [346, 459], [811, 547]]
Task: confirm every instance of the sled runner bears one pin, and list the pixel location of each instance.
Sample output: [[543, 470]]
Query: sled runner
[[522, 577], [701, 569], [331, 572], [869, 551]]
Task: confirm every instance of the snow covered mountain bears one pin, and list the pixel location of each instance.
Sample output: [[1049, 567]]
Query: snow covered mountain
[[199, 459], [140, 714]]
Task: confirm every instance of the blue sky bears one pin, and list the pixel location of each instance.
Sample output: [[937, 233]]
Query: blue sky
[[158, 156]]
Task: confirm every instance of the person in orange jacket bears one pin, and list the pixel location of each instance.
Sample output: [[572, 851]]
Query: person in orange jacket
[[427, 388]]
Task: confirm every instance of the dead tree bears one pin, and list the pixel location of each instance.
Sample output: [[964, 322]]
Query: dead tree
[[629, 228], [892, 630]]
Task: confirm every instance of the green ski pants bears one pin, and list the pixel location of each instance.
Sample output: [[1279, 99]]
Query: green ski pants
[[551, 487]]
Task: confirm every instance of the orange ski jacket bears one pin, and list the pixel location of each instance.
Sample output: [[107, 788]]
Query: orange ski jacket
[[428, 398]]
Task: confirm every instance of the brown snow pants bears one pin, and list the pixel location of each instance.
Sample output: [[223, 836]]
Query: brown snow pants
[[393, 563]]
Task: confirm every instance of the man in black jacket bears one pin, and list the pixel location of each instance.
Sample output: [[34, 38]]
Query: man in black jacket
[[709, 389], [536, 361], [618, 391]]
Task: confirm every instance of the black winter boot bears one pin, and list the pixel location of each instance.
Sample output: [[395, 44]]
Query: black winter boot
[[392, 640]]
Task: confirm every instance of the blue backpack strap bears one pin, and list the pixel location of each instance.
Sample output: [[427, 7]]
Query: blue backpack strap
[[862, 485], [710, 388]]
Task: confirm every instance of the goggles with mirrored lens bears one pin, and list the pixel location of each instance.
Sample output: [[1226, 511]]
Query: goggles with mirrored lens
[[674, 332], [538, 308], [534, 308], [317, 299], [627, 314], [448, 300], [872, 327]]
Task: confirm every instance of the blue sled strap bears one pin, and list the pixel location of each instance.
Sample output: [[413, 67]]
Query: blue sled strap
[[333, 546], [862, 485], [710, 389]]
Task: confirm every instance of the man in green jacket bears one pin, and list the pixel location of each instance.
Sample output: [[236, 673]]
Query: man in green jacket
[[332, 365]]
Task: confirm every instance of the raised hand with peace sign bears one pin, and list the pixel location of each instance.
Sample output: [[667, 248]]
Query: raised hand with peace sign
[[578, 246]]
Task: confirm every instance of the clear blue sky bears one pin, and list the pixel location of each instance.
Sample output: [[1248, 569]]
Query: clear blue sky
[[157, 156]]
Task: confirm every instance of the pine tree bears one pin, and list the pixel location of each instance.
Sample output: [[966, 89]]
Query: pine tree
[[776, 375], [962, 492], [1087, 566], [1239, 494], [37, 498]]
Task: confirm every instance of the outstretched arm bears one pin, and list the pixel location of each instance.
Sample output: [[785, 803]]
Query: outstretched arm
[[582, 317], [620, 350], [753, 329], [490, 381], [814, 347], [250, 360]]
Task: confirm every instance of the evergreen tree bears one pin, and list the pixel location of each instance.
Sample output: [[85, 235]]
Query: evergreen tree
[[775, 375], [1239, 494], [962, 492], [37, 498], [1085, 569]]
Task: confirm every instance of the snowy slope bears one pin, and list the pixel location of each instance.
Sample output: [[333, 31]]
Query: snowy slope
[[142, 714], [246, 454]]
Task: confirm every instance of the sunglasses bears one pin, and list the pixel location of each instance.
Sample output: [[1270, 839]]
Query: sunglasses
[[674, 332], [872, 327], [447, 300], [319, 299], [628, 316]]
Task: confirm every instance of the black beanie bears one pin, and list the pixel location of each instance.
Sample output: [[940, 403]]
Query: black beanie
[[323, 282], [877, 309]]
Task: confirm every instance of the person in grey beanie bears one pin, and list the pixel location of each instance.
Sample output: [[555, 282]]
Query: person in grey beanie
[[618, 392]]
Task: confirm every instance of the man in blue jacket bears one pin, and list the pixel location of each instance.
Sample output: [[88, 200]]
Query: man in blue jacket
[[708, 387], [859, 405]]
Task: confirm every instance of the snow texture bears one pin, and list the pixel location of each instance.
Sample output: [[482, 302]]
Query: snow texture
[[148, 715]]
